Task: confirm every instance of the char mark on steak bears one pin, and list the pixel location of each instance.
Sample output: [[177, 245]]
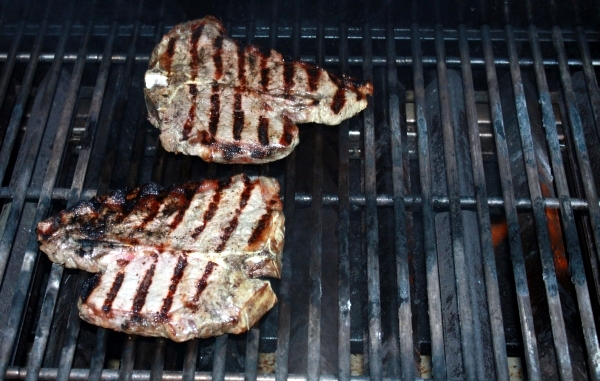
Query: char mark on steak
[[174, 295], [213, 98], [212, 219], [176, 262]]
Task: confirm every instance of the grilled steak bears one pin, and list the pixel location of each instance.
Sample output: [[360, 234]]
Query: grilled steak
[[238, 218], [226, 103], [173, 294], [138, 240]]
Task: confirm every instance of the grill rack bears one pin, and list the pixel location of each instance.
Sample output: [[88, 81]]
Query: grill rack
[[21, 193]]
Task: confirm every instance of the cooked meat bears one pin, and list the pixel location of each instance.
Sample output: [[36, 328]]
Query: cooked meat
[[173, 294], [178, 262], [239, 219], [226, 103]]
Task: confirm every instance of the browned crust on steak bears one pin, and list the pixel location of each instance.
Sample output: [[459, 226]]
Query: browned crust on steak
[[219, 218], [213, 98]]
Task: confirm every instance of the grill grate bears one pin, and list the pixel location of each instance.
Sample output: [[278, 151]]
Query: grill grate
[[458, 214]]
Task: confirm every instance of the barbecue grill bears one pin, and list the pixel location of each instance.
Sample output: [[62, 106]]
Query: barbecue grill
[[448, 231]]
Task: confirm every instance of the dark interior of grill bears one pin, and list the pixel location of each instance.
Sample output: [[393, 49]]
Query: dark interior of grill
[[449, 231]]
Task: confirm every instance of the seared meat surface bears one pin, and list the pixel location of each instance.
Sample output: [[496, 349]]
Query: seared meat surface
[[234, 227], [173, 294], [226, 103], [237, 218]]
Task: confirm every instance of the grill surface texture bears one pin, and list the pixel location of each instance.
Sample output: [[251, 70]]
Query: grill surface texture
[[455, 222]]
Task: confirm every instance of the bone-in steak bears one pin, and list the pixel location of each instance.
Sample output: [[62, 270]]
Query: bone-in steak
[[213, 98], [152, 247], [173, 294]]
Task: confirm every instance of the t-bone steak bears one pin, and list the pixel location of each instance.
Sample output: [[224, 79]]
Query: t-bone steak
[[227, 103]]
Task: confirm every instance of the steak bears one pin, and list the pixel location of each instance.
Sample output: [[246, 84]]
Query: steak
[[136, 241], [173, 294], [213, 98]]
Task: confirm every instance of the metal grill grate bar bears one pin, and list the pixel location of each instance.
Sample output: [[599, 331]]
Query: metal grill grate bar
[[56, 274], [28, 153], [251, 368], [308, 31], [97, 363], [433, 285], [25, 176], [407, 358], [576, 131], [19, 108], [571, 236], [372, 238], [43, 329], [158, 363], [68, 351], [74, 321], [189, 362], [483, 215], [377, 61], [99, 354], [316, 238], [383, 200], [127, 358], [7, 68], [13, 126], [467, 333], [590, 76], [283, 330], [218, 372], [516, 249], [541, 222], [344, 286]]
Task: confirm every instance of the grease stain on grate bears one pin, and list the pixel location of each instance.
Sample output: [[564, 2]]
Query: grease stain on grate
[[515, 368], [357, 365], [266, 363]]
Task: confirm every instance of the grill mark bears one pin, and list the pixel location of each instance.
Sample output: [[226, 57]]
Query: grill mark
[[166, 59], [204, 137], [182, 204], [215, 106], [153, 203], [228, 231], [175, 279], [217, 59], [288, 77], [233, 223], [260, 227], [263, 131], [212, 209], [230, 150], [339, 100], [114, 290], [196, 33], [260, 153], [238, 117], [264, 78], [140, 294], [189, 122], [89, 286], [287, 136], [241, 66], [264, 71], [313, 73], [245, 196], [202, 283]]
